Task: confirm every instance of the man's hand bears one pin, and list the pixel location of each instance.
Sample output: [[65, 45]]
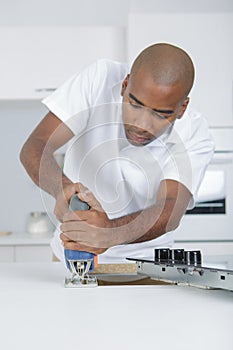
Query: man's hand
[[87, 230], [68, 244], [92, 231], [63, 199]]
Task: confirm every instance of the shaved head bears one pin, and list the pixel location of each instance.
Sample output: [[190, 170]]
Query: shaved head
[[167, 65]]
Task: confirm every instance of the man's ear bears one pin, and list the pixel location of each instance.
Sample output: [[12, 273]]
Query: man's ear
[[124, 85], [183, 107]]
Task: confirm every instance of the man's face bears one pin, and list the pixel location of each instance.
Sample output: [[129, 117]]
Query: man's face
[[149, 109]]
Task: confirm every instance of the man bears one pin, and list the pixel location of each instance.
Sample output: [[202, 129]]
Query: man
[[137, 154]]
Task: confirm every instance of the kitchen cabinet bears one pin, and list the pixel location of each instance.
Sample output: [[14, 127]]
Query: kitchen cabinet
[[23, 247], [6, 253], [33, 253], [36, 60]]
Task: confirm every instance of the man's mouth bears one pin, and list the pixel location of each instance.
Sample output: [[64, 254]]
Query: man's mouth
[[138, 139]]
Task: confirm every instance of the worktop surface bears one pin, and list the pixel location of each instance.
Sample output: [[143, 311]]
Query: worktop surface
[[38, 312]]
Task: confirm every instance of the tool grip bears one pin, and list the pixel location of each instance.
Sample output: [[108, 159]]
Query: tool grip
[[77, 204]]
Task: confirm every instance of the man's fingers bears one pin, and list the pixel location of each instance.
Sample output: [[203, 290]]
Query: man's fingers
[[73, 246], [76, 215], [90, 199], [63, 199], [64, 238], [82, 188], [70, 244], [69, 191], [69, 226], [83, 248]]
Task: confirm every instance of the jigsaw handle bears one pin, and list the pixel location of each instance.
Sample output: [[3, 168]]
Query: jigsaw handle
[[77, 204]]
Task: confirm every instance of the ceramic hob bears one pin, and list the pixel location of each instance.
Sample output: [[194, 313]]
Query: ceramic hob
[[179, 266]]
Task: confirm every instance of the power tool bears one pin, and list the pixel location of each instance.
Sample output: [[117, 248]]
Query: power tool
[[78, 262]]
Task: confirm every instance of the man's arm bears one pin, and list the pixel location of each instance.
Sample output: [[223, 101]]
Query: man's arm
[[93, 231], [37, 155], [171, 203]]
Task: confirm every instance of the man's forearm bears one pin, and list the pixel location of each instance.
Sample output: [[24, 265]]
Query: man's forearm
[[145, 225], [42, 167]]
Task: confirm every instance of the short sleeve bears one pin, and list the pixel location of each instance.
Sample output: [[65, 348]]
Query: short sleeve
[[188, 159], [72, 100]]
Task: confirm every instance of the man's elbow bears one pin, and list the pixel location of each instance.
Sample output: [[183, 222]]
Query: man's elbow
[[172, 225], [23, 155], [31, 151], [26, 154]]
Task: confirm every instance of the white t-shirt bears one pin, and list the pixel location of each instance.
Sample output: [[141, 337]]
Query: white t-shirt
[[123, 177]]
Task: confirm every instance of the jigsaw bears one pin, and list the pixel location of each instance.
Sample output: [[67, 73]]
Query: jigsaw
[[78, 262]]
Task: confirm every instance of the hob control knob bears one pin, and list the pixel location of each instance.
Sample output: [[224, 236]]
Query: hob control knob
[[177, 256], [162, 255], [193, 257]]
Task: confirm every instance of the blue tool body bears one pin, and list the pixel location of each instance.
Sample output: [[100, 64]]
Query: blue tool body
[[76, 255]]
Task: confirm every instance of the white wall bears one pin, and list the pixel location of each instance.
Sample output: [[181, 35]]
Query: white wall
[[207, 37], [184, 6], [64, 12], [19, 195]]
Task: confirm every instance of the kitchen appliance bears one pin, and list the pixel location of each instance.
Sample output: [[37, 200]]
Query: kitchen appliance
[[211, 218], [39, 223], [80, 263], [178, 266]]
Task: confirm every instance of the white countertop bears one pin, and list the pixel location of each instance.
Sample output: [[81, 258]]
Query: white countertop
[[24, 238], [37, 313]]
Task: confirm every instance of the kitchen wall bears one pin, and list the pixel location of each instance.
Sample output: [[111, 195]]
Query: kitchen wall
[[19, 195], [64, 13]]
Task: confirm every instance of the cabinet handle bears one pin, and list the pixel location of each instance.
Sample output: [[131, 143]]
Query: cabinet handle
[[45, 89]]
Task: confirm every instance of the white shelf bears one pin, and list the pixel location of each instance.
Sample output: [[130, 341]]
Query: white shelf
[[24, 238]]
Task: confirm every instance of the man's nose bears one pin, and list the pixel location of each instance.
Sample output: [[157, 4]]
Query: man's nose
[[143, 120]]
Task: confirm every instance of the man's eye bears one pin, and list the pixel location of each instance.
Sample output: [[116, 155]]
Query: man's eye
[[160, 116], [134, 105]]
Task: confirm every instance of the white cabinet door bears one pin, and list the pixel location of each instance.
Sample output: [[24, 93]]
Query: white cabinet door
[[6, 254], [207, 37], [35, 60], [33, 254]]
